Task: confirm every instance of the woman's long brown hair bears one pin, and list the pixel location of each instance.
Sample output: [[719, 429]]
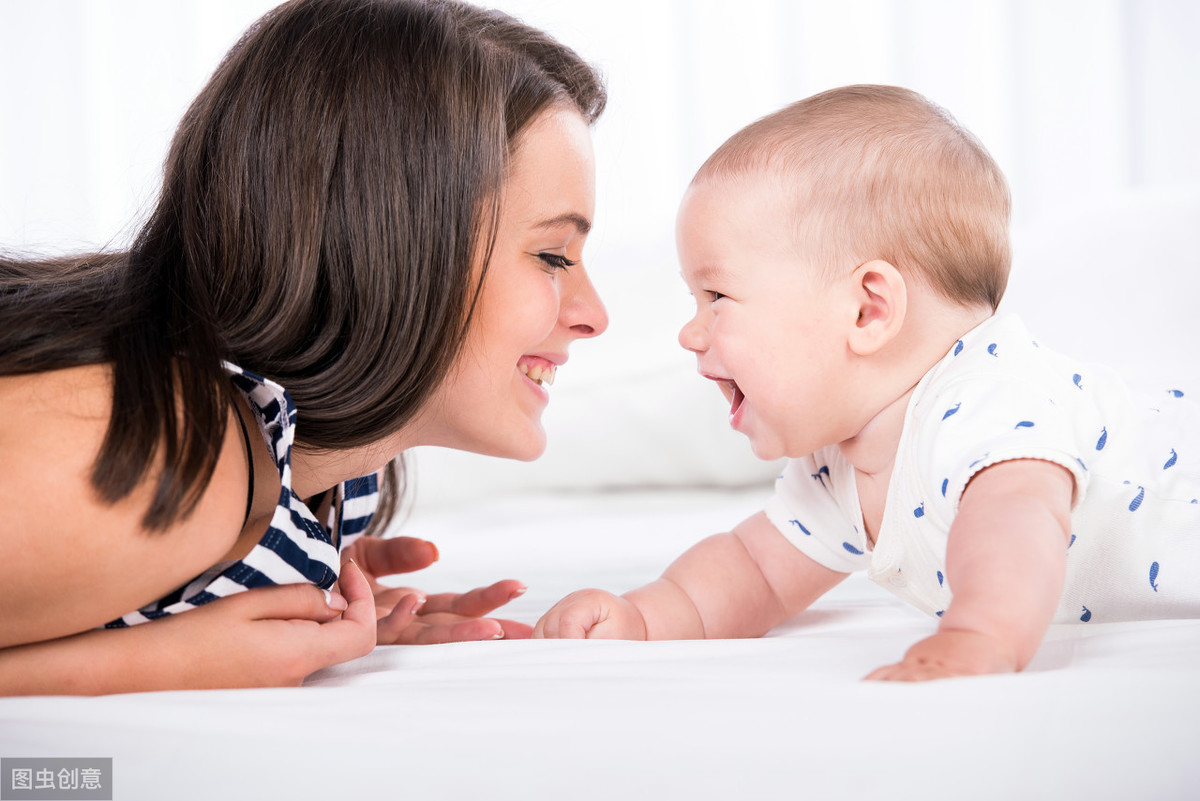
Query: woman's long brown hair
[[324, 200]]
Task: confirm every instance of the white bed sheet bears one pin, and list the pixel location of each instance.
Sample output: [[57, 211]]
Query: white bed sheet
[[1104, 712]]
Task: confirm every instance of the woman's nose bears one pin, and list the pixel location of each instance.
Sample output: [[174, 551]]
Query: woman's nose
[[583, 312]]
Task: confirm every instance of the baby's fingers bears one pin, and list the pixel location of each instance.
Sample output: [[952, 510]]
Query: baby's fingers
[[572, 621]]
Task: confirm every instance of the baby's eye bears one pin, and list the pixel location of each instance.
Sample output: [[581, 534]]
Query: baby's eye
[[715, 296], [556, 261]]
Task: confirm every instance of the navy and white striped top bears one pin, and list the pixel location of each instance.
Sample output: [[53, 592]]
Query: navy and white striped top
[[296, 547]]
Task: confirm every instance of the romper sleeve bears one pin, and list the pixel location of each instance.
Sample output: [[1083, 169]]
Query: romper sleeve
[[983, 419]]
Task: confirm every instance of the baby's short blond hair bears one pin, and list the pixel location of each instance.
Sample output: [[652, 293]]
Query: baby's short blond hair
[[880, 172]]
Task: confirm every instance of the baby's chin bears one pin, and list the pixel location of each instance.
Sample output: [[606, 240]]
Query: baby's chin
[[767, 450]]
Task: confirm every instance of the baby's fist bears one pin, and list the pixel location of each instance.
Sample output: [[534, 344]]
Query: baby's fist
[[592, 615]]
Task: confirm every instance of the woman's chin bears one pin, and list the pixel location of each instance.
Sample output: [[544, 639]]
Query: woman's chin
[[524, 448], [531, 450]]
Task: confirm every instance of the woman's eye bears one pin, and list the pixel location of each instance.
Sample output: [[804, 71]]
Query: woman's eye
[[556, 261]]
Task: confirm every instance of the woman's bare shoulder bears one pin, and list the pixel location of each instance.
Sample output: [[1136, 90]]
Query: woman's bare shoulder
[[73, 560]]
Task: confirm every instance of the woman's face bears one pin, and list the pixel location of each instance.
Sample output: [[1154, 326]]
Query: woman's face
[[536, 299]]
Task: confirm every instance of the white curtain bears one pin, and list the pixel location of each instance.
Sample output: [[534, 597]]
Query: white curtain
[[1079, 100]]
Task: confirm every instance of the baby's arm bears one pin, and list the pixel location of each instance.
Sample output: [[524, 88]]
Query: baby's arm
[[1006, 563], [738, 584]]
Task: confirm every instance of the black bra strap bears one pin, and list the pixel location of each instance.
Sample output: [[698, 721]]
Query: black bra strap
[[250, 462]]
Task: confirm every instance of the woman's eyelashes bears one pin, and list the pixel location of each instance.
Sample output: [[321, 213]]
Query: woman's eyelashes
[[556, 261]]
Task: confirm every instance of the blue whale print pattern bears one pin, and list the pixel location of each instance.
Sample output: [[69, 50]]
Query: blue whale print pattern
[[800, 526], [1154, 576], [1100, 443], [1024, 424], [822, 474], [980, 459], [1086, 616], [920, 510], [945, 484], [1175, 393], [851, 549], [941, 579], [958, 346], [1171, 462], [992, 350], [1137, 500], [952, 410], [1077, 379]]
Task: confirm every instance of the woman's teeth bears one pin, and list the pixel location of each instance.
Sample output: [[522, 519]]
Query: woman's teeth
[[539, 373]]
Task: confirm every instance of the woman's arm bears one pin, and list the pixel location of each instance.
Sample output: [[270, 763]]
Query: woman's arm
[[739, 584], [1006, 563], [70, 561], [267, 637]]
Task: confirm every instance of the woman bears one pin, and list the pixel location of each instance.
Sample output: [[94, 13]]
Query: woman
[[368, 238]]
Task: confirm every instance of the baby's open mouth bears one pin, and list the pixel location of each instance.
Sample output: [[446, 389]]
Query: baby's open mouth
[[735, 402]]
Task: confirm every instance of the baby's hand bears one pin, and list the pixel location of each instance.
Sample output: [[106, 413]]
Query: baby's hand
[[947, 654], [592, 615]]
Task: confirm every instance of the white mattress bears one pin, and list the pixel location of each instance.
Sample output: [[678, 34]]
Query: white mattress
[[1104, 711]]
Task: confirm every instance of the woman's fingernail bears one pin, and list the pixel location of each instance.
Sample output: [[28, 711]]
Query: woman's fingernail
[[418, 604], [518, 592], [334, 601], [433, 548]]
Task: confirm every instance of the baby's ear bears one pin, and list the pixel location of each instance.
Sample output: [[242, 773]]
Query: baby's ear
[[882, 299]]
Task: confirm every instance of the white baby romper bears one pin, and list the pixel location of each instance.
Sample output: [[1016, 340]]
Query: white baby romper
[[998, 395]]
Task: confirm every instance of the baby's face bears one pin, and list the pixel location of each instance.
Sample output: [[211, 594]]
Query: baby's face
[[767, 329]]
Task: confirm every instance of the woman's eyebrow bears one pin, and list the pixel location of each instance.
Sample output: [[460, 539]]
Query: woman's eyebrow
[[582, 224]]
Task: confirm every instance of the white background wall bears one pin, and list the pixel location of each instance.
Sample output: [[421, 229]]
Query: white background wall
[[1092, 107]]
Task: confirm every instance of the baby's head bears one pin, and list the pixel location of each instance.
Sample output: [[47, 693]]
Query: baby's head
[[880, 172], [836, 228]]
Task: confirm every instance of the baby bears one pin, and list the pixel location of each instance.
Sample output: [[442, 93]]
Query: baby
[[847, 255]]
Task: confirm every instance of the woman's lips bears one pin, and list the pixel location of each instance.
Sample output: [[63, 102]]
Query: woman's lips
[[538, 369]]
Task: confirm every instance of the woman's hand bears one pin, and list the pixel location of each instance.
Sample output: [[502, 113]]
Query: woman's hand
[[409, 616], [264, 637]]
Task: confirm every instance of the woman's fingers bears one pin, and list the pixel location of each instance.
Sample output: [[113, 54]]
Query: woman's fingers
[[514, 630], [354, 634], [384, 557], [357, 592], [476, 602], [406, 626], [286, 602], [392, 628]]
